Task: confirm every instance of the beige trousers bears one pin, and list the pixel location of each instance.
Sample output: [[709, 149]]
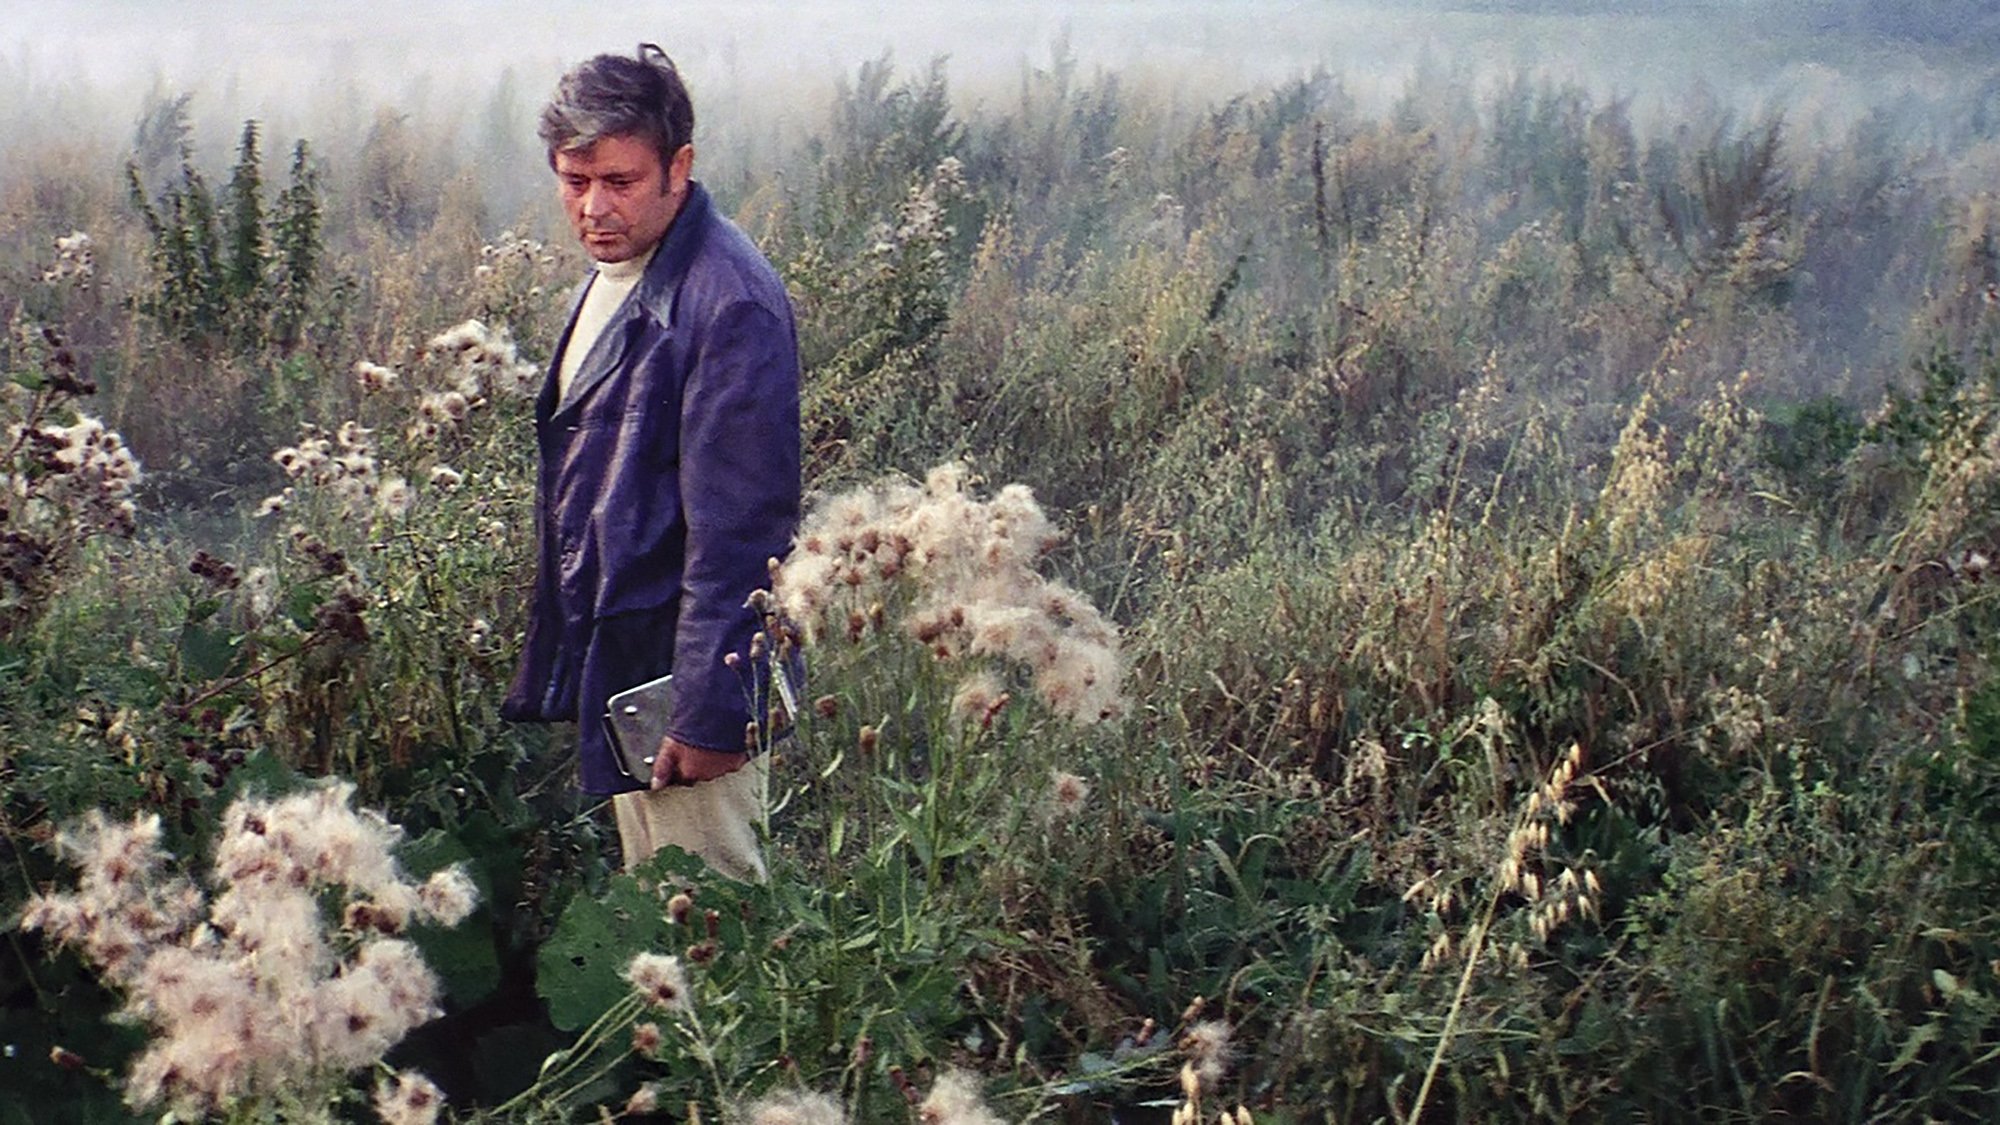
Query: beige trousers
[[717, 820]]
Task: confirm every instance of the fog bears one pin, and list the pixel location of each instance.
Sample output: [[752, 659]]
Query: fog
[[86, 63], [76, 75]]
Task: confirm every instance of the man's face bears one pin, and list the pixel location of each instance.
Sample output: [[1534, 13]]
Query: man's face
[[618, 198]]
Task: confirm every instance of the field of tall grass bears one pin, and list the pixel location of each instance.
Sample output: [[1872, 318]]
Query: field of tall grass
[[1479, 611]]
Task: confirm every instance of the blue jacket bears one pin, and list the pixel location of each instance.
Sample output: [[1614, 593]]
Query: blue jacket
[[669, 476]]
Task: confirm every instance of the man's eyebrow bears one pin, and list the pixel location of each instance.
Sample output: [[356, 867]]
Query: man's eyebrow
[[620, 178]]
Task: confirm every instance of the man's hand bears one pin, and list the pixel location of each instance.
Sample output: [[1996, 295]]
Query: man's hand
[[677, 763]]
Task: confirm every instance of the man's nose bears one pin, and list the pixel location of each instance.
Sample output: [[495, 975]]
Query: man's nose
[[596, 201]]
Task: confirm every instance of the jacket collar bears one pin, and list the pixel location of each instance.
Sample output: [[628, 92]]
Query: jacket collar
[[654, 295]]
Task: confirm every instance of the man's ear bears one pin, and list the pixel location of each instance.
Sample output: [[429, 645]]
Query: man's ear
[[680, 168]]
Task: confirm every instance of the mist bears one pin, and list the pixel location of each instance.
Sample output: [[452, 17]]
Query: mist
[[82, 68], [453, 88]]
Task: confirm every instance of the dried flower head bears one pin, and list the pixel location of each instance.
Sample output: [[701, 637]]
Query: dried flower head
[[244, 991], [967, 571], [645, 1099], [88, 472], [1208, 1051], [393, 497], [343, 466], [679, 906], [408, 1099], [955, 1100], [448, 896], [660, 979], [980, 697], [794, 1108], [374, 377], [486, 359], [1067, 795], [74, 260]]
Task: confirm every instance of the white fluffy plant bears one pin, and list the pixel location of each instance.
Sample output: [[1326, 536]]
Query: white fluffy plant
[[962, 575], [266, 989], [431, 412]]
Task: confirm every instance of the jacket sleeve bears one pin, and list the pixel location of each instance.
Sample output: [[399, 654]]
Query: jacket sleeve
[[739, 483]]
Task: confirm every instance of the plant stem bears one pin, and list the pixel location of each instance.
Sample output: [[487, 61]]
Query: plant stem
[[698, 1039], [1472, 952], [587, 1045], [224, 685]]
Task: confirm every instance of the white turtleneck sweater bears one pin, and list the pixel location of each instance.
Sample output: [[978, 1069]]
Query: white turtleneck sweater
[[609, 287]]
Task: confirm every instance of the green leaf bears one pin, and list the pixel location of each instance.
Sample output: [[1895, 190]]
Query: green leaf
[[206, 651], [266, 774], [1918, 1040], [463, 955], [463, 958], [436, 850], [302, 603], [1594, 1027], [578, 969], [1228, 868], [911, 825]]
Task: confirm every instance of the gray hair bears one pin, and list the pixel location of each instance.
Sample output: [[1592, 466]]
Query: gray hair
[[639, 95]]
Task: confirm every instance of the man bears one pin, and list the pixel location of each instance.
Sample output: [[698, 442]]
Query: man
[[669, 443]]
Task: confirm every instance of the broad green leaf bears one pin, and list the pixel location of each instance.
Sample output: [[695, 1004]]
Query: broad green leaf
[[462, 956], [578, 970]]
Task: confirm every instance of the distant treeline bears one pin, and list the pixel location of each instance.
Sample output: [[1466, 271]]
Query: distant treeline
[[1963, 23]]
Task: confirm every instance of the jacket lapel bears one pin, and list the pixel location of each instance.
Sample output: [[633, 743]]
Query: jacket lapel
[[663, 275], [603, 357], [545, 403]]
